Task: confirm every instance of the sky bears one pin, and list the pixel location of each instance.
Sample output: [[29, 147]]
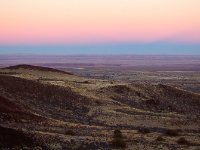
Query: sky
[[100, 26]]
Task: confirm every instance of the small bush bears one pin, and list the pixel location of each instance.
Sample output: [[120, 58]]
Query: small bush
[[160, 138], [118, 134], [17, 147], [86, 82], [144, 130], [70, 132], [183, 141], [118, 143], [98, 102], [172, 132]]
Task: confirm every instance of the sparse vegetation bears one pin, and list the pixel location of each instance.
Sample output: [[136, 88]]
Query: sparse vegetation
[[62, 112]]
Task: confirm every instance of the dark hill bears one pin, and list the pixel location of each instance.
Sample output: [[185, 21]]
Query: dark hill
[[39, 68], [45, 99]]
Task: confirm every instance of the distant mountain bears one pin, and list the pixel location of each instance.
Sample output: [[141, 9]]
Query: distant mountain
[[31, 67]]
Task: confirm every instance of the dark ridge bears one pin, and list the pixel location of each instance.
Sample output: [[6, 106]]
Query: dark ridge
[[11, 111], [31, 67], [7, 106], [17, 139], [46, 99], [10, 138]]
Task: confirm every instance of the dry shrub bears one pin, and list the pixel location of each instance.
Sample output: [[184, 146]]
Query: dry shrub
[[70, 132], [144, 130], [160, 139], [183, 141], [172, 132], [118, 140]]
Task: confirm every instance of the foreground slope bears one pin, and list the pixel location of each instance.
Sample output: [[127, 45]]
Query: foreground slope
[[71, 112]]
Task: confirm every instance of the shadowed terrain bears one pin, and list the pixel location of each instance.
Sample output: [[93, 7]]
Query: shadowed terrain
[[51, 109]]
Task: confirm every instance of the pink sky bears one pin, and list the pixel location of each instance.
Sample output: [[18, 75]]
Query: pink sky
[[96, 21]]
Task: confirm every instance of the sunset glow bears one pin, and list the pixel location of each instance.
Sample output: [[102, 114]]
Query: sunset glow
[[99, 21]]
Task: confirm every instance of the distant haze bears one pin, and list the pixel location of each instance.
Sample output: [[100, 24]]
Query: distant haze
[[104, 49], [64, 61]]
